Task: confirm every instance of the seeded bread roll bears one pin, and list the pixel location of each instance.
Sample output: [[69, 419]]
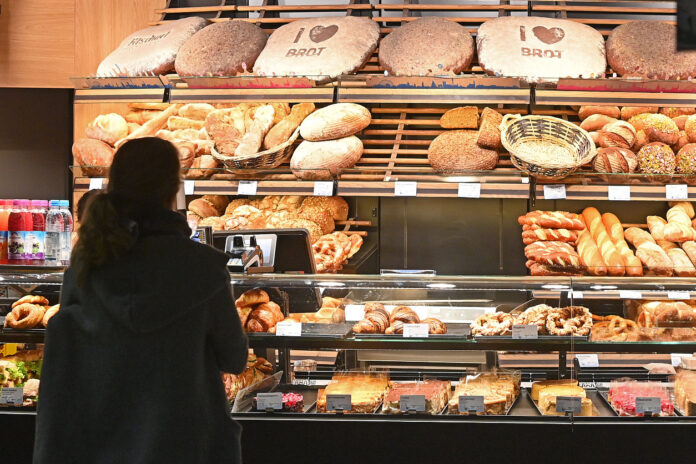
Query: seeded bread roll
[[686, 159], [658, 127], [221, 49], [427, 46], [457, 151], [690, 128], [336, 205], [489, 132], [673, 112], [657, 158], [649, 49]]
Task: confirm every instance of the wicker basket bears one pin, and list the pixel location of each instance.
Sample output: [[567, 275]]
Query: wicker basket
[[544, 146], [268, 159]]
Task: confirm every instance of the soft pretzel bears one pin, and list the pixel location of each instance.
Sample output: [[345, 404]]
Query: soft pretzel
[[32, 299], [493, 324], [571, 320], [536, 315], [24, 316]]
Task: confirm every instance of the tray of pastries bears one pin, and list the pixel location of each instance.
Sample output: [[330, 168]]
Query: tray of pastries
[[552, 323], [545, 394], [685, 392], [380, 321], [622, 394], [366, 391], [295, 402], [29, 314], [500, 391], [435, 392]]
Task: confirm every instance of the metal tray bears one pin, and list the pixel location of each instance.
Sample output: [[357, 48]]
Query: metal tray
[[595, 411], [336, 330], [454, 330], [558, 338], [314, 410], [507, 412], [10, 330], [604, 394]]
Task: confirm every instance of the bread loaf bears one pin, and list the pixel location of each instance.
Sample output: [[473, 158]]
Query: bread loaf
[[463, 117], [203, 208], [686, 159], [690, 128], [586, 111], [457, 150], [610, 256], [336, 205], [682, 265], [150, 51], [596, 122], [489, 131], [93, 156], [538, 48], [656, 225], [250, 142], [638, 237], [321, 160], [322, 48], [109, 128], [198, 111], [655, 259], [619, 160], [658, 127], [335, 121], [673, 112], [320, 216], [202, 167], [690, 249], [617, 134], [614, 228], [179, 123], [627, 112], [590, 255], [657, 158], [282, 131], [427, 46]]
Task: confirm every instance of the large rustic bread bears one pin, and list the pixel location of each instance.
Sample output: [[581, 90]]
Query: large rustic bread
[[322, 48], [427, 46], [221, 49], [489, 132], [151, 50], [457, 151], [649, 49], [537, 48], [321, 160], [335, 121]]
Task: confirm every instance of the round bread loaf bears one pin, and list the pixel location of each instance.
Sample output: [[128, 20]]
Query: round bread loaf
[[690, 128], [649, 49], [427, 47], [657, 127], [627, 112], [93, 156], [335, 121], [203, 208], [673, 112], [336, 205], [617, 134], [221, 49], [322, 160], [657, 158], [683, 140], [615, 159], [680, 121], [585, 111], [152, 50], [686, 159], [109, 128], [320, 216], [457, 151]]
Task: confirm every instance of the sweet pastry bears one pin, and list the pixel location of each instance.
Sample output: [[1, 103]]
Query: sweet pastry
[[623, 393], [49, 313], [281, 132], [536, 315], [463, 117], [615, 159], [435, 326], [499, 391], [548, 397], [252, 298], [404, 314], [457, 150], [436, 393], [335, 121], [322, 160], [657, 158], [489, 130]]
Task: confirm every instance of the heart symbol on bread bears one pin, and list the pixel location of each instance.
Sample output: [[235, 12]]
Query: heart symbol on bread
[[321, 33], [549, 36]]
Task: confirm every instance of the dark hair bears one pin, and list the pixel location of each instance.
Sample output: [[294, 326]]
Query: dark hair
[[83, 203], [143, 179]]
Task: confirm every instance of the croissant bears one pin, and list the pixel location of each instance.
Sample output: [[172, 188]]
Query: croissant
[[435, 326], [379, 319], [252, 297], [365, 326], [404, 314], [372, 306], [260, 320], [274, 309], [397, 327]]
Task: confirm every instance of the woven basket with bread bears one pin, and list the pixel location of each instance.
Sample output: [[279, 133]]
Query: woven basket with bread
[[544, 146], [265, 159]]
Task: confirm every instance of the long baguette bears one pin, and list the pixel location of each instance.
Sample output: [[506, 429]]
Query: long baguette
[[611, 257], [590, 255], [656, 224], [682, 265], [634, 268], [150, 128]]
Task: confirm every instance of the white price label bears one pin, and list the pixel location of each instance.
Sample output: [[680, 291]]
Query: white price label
[[677, 192], [247, 187], [648, 404], [416, 330], [677, 358], [587, 360], [525, 332], [575, 295], [412, 403], [587, 385], [471, 404], [12, 396], [566, 404], [469, 190], [189, 187], [630, 295], [323, 188], [555, 192], [266, 401], [405, 189], [620, 192], [678, 295], [289, 329], [354, 312], [525, 180], [338, 403], [96, 183]]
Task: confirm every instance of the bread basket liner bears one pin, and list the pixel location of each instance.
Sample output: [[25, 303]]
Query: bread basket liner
[[264, 159], [526, 163]]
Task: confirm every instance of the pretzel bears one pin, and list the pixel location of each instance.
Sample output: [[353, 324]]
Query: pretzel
[[547, 235], [571, 320], [493, 324], [553, 220], [536, 315]]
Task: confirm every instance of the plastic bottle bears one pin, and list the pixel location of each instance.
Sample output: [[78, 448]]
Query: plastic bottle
[[54, 231], [66, 239], [16, 233], [28, 229], [38, 215], [5, 209]]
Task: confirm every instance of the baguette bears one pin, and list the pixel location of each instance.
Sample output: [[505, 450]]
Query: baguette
[[679, 228], [611, 257], [690, 249], [282, 131], [634, 268], [655, 259], [590, 255], [638, 237], [150, 128], [683, 267], [657, 227]]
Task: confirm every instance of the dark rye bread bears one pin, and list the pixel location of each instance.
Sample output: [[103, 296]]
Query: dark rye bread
[[649, 49], [221, 49], [427, 46], [457, 150], [150, 51], [320, 48]]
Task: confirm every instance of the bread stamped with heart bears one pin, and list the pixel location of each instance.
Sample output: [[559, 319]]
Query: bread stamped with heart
[[319, 48], [537, 49]]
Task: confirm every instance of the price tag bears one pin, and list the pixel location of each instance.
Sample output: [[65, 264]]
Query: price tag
[[587, 360], [12, 396], [630, 295], [412, 403], [354, 312], [266, 401], [525, 180], [289, 329], [677, 192], [189, 187], [677, 358], [575, 295], [247, 187], [323, 188], [405, 189], [469, 190], [338, 403], [525, 332], [416, 330], [565, 404], [620, 192], [587, 385], [471, 404], [96, 183], [648, 404], [555, 192], [678, 295]]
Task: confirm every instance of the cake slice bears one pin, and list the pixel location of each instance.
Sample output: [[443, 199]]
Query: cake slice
[[538, 386]]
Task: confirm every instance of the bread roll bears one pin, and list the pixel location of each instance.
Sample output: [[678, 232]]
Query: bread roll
[[463, 117], [619, 160], [673, 112], [457, 150], [198, 111], [657, 158], [219, 202], [93, 156], [587, 111], [109, 128], [203, 208], [686, 206], [596, 122], [489, 131], [686, 159], [627, 112], [641, 141], [282, 131], [655, 259], [322, 160], [690, 128], [680, 121], [335, 121], [617, 134]]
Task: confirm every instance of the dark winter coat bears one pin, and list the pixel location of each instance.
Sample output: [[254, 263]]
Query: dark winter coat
[[132, 362]]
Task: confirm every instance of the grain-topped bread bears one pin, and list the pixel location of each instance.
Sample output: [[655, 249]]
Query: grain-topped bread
[[649, 49], [335, 121], [321, 48], [221, 49], [427, 47], [457, 150], [536, 48], [150, 51]]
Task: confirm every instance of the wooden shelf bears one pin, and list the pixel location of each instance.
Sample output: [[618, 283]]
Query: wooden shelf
[[436, 96], [569, 97], [638, 191], [120, 95], [323, 94]]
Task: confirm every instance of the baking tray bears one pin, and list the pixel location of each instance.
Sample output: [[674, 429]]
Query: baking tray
[[454, 330], [588, 392], [314, 410], [10, 330], [337, 330], [604, 394], [507, 412], [558, 338]]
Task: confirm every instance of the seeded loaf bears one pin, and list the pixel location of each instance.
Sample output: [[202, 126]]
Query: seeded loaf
[[457, 151]]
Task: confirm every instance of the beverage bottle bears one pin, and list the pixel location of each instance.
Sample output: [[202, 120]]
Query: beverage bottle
[[54, 231], [4, 216], [38, 215], [66, 239], [16, 232], [28, 230]]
